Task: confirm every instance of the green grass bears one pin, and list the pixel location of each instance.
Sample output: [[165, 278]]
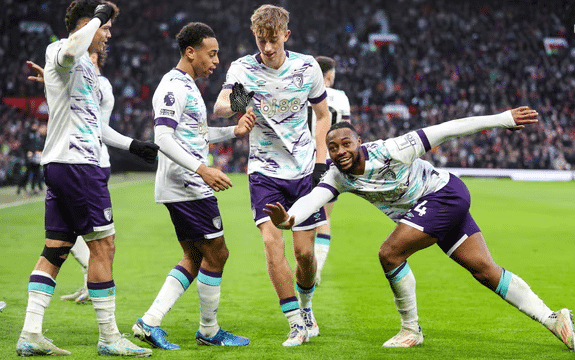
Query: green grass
[[528, 226]]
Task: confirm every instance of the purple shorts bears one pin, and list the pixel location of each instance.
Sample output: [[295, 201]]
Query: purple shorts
[[196, 220], [267, 190], [77, 198], [444, 215]]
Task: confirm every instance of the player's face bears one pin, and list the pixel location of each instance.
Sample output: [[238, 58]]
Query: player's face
[[205, 57], [344, 147], [272, 48], [101, 38]]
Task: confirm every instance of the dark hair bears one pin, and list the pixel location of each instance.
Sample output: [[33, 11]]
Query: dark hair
[[81, 9], [325, 63], [341, 125], [193, 34]]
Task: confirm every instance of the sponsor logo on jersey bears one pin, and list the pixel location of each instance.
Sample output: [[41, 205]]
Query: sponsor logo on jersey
[[167, 112], [169, 99]]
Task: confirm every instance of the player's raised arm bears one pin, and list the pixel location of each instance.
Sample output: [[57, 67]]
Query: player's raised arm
[[414, 144], [80, 40]]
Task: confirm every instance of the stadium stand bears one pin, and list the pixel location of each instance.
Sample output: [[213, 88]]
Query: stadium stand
[[413, 63]]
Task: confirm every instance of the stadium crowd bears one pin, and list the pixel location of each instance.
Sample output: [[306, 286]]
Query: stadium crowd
[[453, 59]]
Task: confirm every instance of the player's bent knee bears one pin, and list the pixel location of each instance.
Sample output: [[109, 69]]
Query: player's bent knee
[[56, 255]]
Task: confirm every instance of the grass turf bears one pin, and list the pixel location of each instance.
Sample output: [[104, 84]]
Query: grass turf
[[528, 226]]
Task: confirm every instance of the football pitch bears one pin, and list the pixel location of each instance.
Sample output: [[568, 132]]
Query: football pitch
[[529, 228]]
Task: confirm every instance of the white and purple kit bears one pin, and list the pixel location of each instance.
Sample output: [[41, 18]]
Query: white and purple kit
[[178, 105], [406, 188], [281, 144]]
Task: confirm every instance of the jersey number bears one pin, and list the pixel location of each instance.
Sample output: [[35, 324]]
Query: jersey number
[[420, 209]]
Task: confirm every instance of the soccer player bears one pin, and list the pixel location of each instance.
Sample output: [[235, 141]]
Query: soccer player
[[339, 108], [77, 198], [430, 206], [279, 83], [186, 185], [80, 250]]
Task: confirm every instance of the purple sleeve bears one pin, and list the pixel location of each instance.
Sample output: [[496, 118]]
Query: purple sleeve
[[166, 121], [424, 140], [318, 99]]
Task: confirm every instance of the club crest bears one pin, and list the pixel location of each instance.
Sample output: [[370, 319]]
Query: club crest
[[217, 221], [108, 214]]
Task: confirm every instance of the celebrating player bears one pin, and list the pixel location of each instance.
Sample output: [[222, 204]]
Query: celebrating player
[[186, 186], [430, 206], [340, 110], [279, 83], [77, 198]]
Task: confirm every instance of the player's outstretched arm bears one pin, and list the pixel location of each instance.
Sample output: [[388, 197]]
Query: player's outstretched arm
[[514, 119], [279, 216], [39, 72]]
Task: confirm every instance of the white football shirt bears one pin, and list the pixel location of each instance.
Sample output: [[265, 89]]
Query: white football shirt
[[74, 132], [394, 178], [178, 104], [339, 108], [281, 144]]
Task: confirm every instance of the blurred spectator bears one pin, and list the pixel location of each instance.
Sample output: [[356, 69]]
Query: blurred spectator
[[452, 59]]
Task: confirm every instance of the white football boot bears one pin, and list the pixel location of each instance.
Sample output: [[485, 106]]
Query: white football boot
[[406, 337]]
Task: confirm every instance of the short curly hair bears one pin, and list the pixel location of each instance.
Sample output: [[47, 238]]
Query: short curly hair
[[81, 9], [193, 34], [268, 20]]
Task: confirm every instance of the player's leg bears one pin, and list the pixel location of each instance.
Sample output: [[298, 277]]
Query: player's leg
[[215, 254], [81, 253], [474, 255], [323, 242], [179, 279], [40, 290], [399, 245], [303, 242], [265, 190]]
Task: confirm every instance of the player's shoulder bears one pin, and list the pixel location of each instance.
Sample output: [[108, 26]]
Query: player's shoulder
[[336, 92], [53, 47], [245, 61]]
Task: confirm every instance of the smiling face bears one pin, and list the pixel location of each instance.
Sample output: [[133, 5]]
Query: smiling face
[[344, 147], [204, 57], [272, 48]]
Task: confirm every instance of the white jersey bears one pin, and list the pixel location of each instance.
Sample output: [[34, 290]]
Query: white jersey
[[74, 131], [178, 103], [339, 108], [281, 144], [107, 105], [394, 178]]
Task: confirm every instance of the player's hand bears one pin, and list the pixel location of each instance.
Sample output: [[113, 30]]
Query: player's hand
[[246, 123], [146, 150], [279, 216], [39, 72], [318, 171], [522, 116], [240, 98], [104, 12], [215, 178]]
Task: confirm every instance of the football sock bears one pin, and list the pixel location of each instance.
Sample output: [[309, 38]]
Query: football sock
[[305, 295], [290, 308], [81, 253], [402, 284], [322, 242], [516, 292], [177, 281], [40, 290], [209, 293], [104, 300]]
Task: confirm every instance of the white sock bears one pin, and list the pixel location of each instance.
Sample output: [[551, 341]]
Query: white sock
[[104, 301], [81, 253], [402, 284], [175, 285], [40, 291], [305, 296], [209, 293], [321, 249], [294, 317], [517, 293]]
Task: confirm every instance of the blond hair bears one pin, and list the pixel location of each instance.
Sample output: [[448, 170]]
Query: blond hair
[[269, 20]]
